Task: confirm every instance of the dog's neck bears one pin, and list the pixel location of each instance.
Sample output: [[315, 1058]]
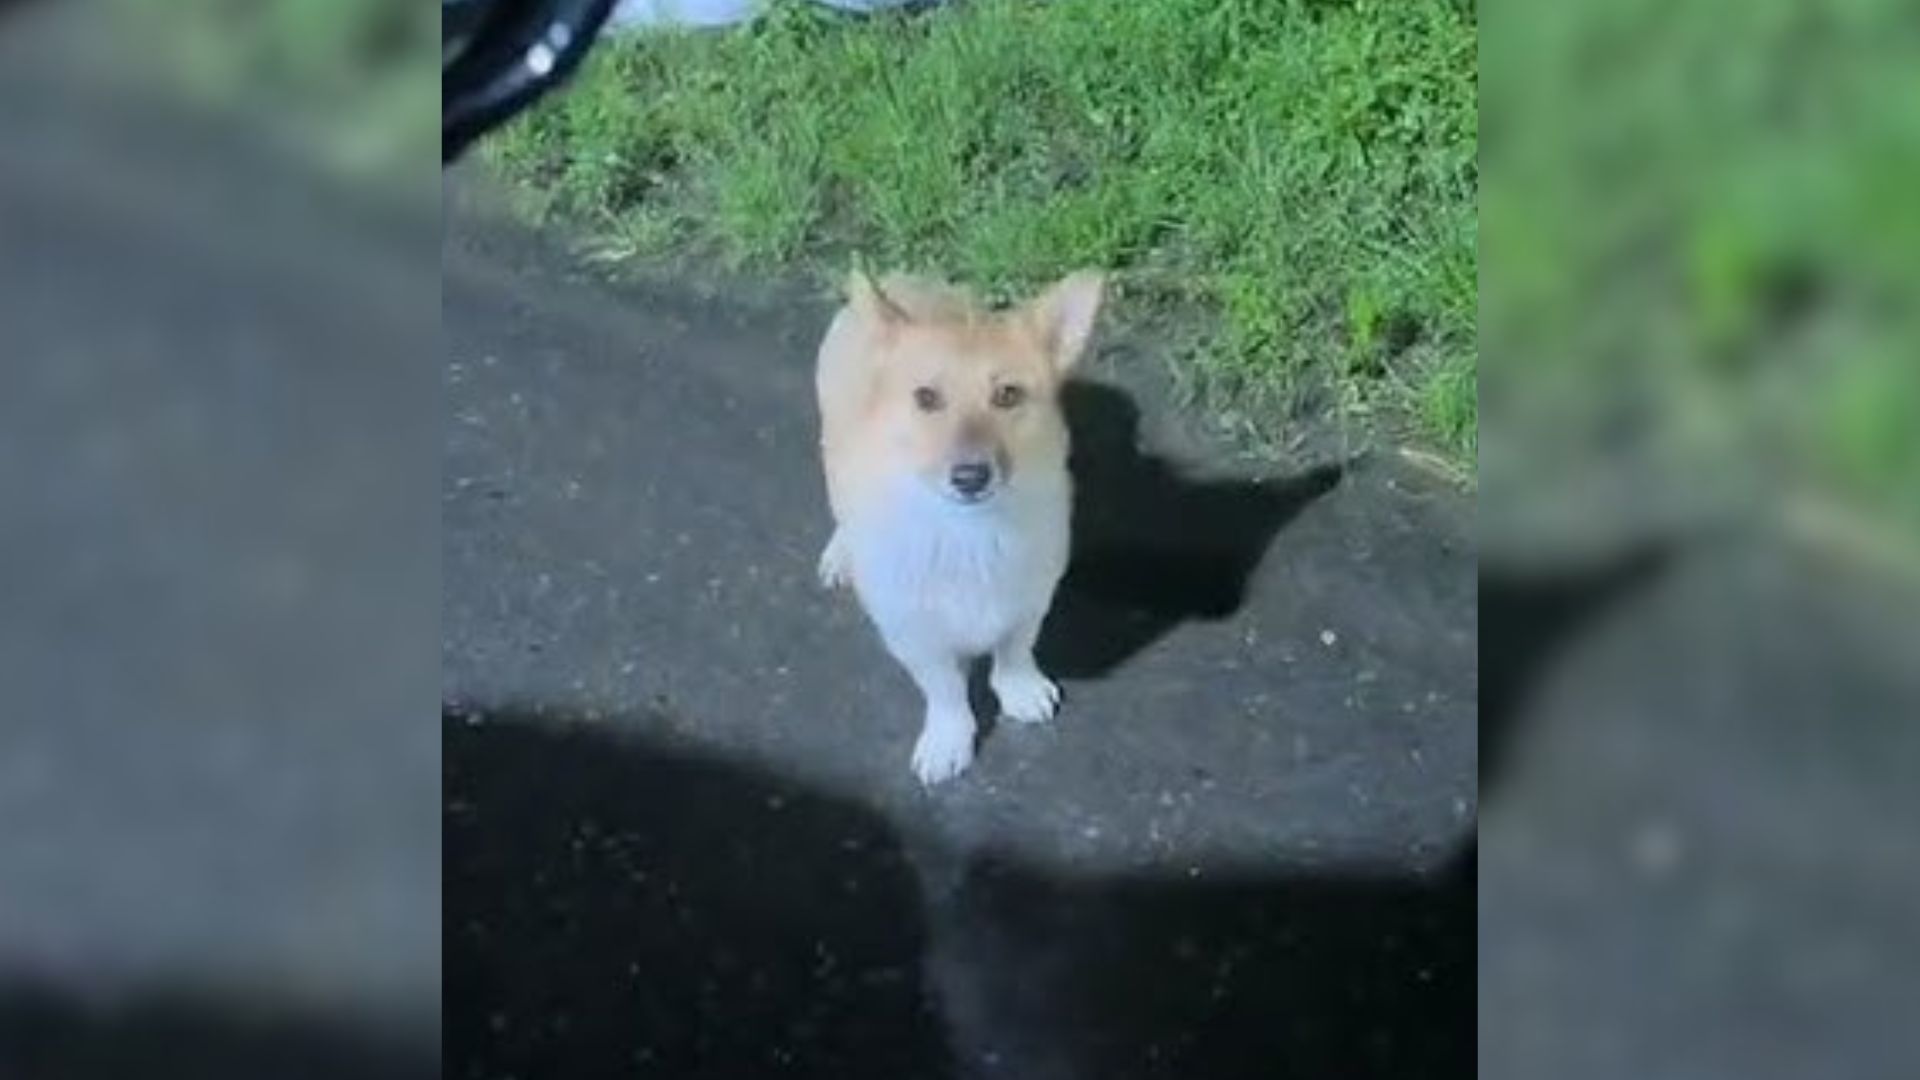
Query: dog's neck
[[917, 531]]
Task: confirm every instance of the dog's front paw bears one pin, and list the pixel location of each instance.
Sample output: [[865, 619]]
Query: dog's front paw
[[944, 750], [835, 568], [1026, 695]]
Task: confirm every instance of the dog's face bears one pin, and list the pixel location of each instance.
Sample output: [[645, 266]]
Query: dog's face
[[970, 405]]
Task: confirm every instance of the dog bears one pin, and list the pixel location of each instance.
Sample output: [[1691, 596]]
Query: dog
[[945, 453]]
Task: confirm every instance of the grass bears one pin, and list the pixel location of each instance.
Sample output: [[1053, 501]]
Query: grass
[[1297, 180], [351, 80], [1703, 238]]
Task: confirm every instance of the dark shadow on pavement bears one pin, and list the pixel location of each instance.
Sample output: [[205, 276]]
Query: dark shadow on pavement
[[1250, 976], [1528, 619], [1153, 547], [613, 908], [48, 1034]]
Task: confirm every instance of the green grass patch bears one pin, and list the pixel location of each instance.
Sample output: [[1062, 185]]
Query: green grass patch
[[1301, 176], [351, 80], [1701, 218]]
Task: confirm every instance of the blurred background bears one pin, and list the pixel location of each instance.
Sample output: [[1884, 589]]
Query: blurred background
[[1700, 500], [1701, 266], [219, 432]]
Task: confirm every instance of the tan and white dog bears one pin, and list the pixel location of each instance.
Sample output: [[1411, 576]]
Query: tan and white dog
[[945, 452]]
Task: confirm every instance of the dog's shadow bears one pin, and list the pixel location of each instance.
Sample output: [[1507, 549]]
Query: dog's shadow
[[1152, 546]]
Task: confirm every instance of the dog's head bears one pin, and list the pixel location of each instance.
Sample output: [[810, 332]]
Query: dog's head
[[969, 399]]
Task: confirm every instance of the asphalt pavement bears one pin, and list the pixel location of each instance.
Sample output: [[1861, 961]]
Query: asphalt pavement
[[682, 836], [219, 786]]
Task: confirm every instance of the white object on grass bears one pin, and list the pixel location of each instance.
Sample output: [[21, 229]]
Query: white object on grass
[[717, 13]]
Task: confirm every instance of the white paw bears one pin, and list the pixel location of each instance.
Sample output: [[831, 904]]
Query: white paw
[[835, 570], [944, 750], [1026, 695]]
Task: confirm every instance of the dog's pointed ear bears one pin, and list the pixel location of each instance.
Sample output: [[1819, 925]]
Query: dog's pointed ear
[[870, 303], [1064, 316]]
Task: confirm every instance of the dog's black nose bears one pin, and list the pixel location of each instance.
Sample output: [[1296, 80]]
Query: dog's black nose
[[971, 478]]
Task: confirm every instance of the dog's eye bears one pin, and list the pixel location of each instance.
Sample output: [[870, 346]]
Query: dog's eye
[[928, 399], [1008, 396]]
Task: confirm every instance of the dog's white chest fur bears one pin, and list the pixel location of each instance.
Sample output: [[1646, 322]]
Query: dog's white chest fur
[[957, 576]]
